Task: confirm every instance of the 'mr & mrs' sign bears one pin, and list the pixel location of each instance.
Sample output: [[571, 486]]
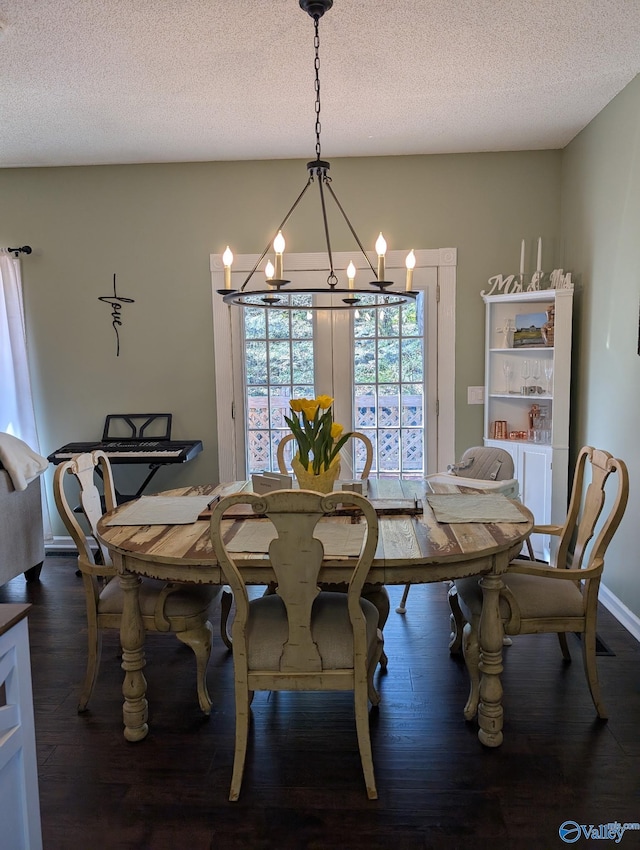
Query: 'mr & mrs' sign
[[508, 284], [502, 285]]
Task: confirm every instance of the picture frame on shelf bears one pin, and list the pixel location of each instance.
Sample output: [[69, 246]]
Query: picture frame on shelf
[[528, 330]]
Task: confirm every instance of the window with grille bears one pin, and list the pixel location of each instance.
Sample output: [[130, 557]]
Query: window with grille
[[278, 366], [388, 383], [388, 387]]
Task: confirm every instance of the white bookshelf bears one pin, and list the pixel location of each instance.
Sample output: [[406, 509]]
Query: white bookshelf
[[541, 460]]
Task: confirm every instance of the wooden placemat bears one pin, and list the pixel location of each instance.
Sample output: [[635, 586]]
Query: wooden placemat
[[338, 538], [161, 510], [474, 507]]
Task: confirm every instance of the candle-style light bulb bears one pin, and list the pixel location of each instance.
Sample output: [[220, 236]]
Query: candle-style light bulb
[[278, 247], [268, 272], [381, 250], [351, 274], [227, 260], [410, 263]]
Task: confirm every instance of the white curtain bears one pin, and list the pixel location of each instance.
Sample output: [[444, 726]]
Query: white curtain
[[16, 402]]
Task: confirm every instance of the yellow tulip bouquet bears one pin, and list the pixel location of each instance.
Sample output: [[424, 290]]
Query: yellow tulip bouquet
[[319, 438]]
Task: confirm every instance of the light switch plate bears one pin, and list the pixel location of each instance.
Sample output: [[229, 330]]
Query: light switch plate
[[475, 395]]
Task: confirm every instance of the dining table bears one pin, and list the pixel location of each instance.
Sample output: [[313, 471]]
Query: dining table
[[427, 533]]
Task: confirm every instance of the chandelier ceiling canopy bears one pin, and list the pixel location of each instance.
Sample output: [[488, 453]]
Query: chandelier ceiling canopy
[[378, 293]]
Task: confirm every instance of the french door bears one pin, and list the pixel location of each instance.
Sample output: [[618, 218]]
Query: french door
[[380, 366]]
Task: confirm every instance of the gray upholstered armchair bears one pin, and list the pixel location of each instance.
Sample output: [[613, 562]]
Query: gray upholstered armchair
[[21, 534]]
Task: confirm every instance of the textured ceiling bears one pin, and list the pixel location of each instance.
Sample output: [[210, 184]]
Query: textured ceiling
[[124, 81]]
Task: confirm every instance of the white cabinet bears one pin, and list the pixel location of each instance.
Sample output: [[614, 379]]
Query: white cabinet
[[527, 398], [533, 466], [19, 801]]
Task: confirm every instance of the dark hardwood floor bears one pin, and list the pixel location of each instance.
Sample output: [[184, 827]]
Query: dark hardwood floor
[[303, 787]]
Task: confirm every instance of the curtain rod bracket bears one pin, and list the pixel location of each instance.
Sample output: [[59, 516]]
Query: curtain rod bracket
[[26, 249]]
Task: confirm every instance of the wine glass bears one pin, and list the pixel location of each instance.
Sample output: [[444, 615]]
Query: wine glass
[[526, 373], [548, 373], [507, 369], [535, 373]]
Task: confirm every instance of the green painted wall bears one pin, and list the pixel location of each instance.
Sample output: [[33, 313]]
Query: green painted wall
[[156, 225], [601, 227]]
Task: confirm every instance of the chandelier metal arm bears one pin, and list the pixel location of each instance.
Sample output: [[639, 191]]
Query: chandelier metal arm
[[284, 221], [351, 227], [332, 280]]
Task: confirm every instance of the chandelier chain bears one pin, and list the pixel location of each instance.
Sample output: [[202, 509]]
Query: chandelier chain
[[316, 44], [275, 295]]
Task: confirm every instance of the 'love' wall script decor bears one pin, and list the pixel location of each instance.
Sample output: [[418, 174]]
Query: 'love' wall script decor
[[116, 301]]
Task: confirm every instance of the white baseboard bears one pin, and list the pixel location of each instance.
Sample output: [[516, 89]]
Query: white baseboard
[[60, 544], [623, 615]]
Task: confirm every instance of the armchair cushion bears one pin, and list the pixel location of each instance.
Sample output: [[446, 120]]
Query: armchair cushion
[[535, 597]]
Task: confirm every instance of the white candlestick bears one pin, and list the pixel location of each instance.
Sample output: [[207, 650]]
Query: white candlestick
[[410, 263], [268, 273], [381, 249], [351, 273], [278, 247], [539, 265], [227, 259], [522, 257]]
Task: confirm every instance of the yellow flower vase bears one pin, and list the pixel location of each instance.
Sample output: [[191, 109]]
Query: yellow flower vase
[[322, 483]]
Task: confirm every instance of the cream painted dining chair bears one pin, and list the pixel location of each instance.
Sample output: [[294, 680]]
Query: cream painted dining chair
[[180, 609], [301, 638], [483, 468], [376, 593], [356, 436], [559, 597]]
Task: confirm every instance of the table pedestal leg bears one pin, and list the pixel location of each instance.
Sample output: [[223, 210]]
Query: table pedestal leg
[[134, 687], [490, 708]]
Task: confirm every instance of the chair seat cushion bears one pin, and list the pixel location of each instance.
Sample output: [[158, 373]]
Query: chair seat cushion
[[330, 627], [375, 593], [536, 596], [187, 601]]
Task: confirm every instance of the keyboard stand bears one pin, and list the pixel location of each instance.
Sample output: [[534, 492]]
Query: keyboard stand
[[121, 498]]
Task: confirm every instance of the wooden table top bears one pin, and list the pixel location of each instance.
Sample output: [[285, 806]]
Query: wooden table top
[[414, 548]]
